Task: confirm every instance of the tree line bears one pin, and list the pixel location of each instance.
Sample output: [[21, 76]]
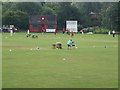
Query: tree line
[[88, 14]]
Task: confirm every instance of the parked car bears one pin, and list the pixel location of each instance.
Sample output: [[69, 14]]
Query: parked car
[[84, 30], [14, 29], [7, 29]]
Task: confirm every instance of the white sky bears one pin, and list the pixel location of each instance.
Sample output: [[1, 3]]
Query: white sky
[[60, 0]]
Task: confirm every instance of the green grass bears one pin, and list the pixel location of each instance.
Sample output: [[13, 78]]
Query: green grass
[[88, 66]]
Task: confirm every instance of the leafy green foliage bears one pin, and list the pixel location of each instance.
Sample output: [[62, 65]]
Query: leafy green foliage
[[17, 18], [28, 7], [101, 31], [110, 17], [104, 12]]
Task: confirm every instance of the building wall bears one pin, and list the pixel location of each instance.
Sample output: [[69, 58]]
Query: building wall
[[54, 26], [39, 27], [32, 29], [42, 22], [46, 26]]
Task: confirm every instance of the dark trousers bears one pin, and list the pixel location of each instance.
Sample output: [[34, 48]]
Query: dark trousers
[[113, 34]]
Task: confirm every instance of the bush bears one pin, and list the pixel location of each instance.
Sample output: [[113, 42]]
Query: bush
[[101, 31]]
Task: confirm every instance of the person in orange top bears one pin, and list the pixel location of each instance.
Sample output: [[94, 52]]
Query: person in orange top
[[72, 34], [55, 32], [63, 30], [68, 32], [43, 29]]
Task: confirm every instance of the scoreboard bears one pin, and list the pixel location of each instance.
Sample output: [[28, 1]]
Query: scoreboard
[[72, 26]]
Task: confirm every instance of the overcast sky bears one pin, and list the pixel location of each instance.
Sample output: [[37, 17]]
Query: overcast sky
[[60, 0]]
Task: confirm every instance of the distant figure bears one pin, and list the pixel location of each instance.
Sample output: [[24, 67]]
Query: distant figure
[[43, 30], [69, 43], [34, 36], [0, 29], [55, 32], [59, 45], [11, 32], [109, 33], [82, 31], [28, 32], [63, 30], [28, 35], [113, 32], [72, 34], [68, 32], [54, 46]]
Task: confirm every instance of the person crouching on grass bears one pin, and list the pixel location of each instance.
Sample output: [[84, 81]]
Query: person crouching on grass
[[69, 43]]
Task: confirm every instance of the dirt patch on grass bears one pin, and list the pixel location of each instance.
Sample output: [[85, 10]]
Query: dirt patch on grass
[[23, 47], [16, 46]]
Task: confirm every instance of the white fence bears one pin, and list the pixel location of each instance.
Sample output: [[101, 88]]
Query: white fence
[[50, 30]]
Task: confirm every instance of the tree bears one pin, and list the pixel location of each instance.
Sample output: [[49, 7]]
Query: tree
[[80, 11], [110, 17], [47, 10], [28, 7], [17, 18], [67, 11], [6, 6]]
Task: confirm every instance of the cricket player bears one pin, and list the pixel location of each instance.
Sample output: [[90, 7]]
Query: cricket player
[[69, 43]]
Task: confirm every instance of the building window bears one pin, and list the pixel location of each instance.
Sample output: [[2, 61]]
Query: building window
[[35, 26], [50, 26]]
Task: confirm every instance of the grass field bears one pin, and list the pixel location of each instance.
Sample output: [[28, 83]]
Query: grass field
[[91, 65]]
